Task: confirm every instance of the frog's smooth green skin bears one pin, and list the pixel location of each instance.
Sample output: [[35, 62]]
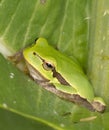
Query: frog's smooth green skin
[[60, 75]]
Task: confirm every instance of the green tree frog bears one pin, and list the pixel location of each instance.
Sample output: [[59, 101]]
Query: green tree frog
[[60, 75]]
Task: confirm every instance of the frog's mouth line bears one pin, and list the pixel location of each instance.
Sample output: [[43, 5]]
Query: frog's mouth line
[[60, 78]]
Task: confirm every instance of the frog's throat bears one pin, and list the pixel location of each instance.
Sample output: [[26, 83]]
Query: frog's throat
[[35, 74]]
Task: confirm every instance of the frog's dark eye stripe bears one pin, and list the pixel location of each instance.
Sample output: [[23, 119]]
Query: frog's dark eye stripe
[[60, 78], [35, 54]]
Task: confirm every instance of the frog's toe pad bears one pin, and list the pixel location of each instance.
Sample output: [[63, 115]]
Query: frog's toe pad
[[99, 104]]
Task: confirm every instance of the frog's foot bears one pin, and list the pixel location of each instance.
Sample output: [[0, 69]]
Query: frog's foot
[[16, 58], [99, 104]]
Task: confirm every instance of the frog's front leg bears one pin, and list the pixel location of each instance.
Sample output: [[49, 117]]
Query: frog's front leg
[[17, 57], [19, 61]]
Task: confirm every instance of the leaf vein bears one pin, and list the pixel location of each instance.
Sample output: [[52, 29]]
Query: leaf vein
[[30, 23], [64, 19], [10, 23]]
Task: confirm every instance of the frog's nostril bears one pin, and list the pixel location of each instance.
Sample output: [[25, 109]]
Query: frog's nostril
[[34, 53]]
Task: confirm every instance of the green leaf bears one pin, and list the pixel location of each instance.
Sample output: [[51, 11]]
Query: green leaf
[[12, 121], [68, 25], [59, 21], [98, 60]]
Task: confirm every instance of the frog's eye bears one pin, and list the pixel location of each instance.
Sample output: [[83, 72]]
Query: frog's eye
[[47, 65]]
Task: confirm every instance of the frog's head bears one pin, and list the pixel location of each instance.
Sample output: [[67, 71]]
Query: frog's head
[[42, 62]]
